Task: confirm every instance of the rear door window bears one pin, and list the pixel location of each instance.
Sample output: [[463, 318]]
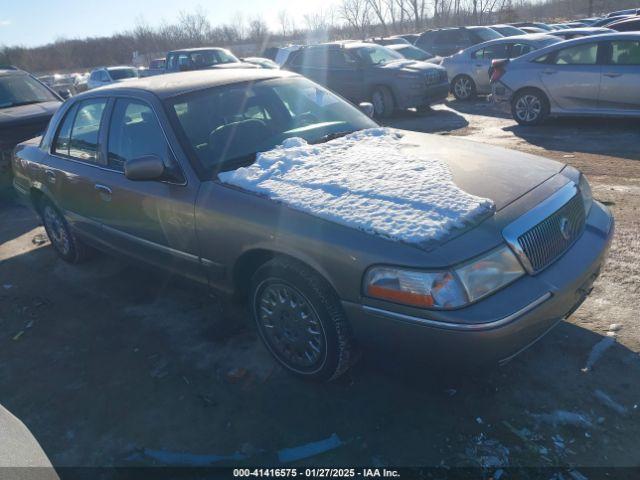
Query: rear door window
[[584, 54], [493, 52], [84, 133]]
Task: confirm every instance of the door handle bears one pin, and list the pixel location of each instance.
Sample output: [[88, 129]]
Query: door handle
[[612, 74], [51, 176], [104, 191]]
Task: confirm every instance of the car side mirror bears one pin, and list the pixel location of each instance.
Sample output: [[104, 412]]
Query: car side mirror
[[366, 108], [148, 167], [64, 93]]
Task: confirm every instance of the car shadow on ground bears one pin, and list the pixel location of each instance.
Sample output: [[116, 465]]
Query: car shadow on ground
[[599, 136], [109, 364], [432, 121], [478, 106]]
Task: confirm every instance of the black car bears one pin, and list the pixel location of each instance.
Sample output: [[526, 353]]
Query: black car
[[26, 106], [366, 72], [631, 24], [203, 59], [447, 41]]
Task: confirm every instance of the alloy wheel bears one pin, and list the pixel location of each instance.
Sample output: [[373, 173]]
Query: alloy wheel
[[462, 88], [290, 326], [528, 108], [57, 230]]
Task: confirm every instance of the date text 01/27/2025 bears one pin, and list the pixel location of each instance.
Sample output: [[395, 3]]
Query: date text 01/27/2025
[[316, 473]]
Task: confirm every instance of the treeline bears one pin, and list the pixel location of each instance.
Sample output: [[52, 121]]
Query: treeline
[[250, 35]]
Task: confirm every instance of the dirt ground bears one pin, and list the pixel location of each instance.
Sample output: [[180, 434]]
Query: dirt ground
[[113, 364]]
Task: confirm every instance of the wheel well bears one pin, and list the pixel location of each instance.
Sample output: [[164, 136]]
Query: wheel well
[[244, 269], [249, 262]]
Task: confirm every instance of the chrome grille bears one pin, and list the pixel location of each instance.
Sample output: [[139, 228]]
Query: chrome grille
[[550, 238]]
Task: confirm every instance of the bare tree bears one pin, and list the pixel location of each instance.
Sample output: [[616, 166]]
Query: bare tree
[[357, 14], [285, 23]]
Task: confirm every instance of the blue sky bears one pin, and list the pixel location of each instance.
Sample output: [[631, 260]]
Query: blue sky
[[37, 22]]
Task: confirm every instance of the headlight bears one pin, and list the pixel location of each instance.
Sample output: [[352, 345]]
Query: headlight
[[444, 289], [414, 288], [489, 273], [587, 195]]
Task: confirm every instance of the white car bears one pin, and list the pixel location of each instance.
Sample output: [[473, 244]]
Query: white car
[[106, 75], [469, 68]]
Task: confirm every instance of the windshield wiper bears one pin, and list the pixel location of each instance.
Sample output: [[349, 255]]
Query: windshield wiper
[[332, 136]]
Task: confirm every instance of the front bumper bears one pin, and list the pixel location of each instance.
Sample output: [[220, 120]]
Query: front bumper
[[430, 95], [508, 321]]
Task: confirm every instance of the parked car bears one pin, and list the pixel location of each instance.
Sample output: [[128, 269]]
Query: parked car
[[589, 21], [386, 41], [26, 106], [584, 76], [469, 69], [62, 83], [540, 25], [627, 25], [620, 13], [534, 30], [145, 170], [412, 52], [261, 62], [570, 33], [507, 30], [81, 82], [102, 76], [605, 22], [447, 41], [409, 37], [363, 72], [156, 67], [279, 54], [559, 26], [203, 58]]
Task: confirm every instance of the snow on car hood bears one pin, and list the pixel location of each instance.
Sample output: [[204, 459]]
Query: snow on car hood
[[366, 181]]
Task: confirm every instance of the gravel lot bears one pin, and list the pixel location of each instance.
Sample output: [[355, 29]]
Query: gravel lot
[[112, 364]]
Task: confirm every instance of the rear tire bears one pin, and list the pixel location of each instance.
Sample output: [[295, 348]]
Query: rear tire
[[382, 100], [300, 320], [65, 242], [530, 107], [463, 88]]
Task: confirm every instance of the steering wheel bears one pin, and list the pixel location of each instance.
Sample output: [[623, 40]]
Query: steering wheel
[[305, 119]]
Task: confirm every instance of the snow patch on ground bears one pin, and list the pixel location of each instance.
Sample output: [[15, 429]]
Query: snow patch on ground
[[364, 180]]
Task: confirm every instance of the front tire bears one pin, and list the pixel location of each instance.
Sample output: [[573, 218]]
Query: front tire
[[382, 100], [300, 320], [65, 242], [463, 88], [529, 107]]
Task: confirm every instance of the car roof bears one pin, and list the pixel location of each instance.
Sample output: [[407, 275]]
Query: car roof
[[528, 38], [197, 49], [582, 30], [172, 84], [577, 41], [625, 20]]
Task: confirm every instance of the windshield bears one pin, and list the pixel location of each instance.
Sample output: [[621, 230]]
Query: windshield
[[414, 53], [18, 90], [122, 73], [485, 33], [377, 54], [225, 127]]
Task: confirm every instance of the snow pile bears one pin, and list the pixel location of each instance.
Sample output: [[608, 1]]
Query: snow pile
[[364, 180]]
